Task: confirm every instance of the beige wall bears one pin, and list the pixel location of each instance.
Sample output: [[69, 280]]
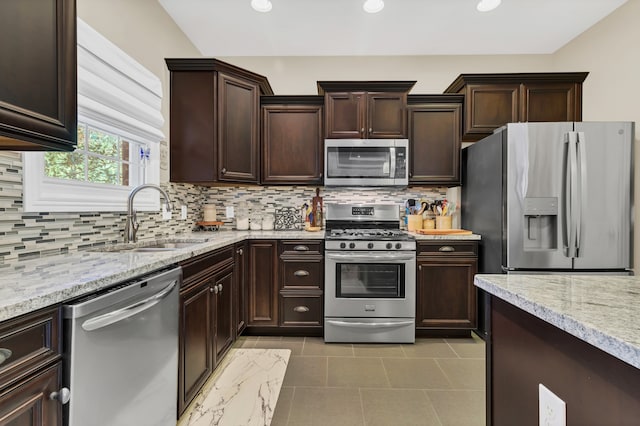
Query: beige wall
[[145, 32]]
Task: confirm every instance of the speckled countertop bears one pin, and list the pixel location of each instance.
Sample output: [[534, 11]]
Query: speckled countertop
[[602, 310], [28, 285]]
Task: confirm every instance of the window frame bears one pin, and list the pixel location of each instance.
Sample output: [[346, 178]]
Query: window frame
[[115, 94]]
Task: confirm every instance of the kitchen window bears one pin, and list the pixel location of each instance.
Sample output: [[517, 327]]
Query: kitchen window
[[119, 134]]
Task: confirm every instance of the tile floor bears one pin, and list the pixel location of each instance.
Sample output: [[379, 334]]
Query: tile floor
[[437, 382]]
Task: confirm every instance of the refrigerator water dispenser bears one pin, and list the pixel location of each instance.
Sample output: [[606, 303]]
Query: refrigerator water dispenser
[[541, 223]]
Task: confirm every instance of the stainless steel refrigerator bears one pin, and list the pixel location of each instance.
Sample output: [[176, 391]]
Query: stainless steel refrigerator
[[551, 197]]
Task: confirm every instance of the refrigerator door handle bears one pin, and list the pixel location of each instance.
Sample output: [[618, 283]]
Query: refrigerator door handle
[[582, 173], [571, 195]]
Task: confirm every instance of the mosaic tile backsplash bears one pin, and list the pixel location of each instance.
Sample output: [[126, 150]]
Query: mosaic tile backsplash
[[27, 235]]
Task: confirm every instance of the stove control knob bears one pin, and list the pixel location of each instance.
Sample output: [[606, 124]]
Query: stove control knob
[[370, 245], [352, 245], [342, 245], [398, 246], [389, 245]]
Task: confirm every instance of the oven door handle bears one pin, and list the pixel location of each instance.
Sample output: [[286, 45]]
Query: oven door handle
[[371, 257], [370, 324]]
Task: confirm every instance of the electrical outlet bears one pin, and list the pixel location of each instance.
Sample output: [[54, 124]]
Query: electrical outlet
[[552, 410], [183, 212], [229, 211]]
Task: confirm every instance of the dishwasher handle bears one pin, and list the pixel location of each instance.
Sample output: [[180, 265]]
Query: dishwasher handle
[[128, 311]]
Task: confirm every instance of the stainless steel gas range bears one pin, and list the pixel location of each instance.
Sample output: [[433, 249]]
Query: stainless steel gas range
[[370, 275]]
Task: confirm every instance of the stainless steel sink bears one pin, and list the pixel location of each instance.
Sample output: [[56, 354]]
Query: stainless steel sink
[[150, 246]]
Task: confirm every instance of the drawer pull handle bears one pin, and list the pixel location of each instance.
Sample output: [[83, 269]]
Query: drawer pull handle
[[301, 273], [62, 396], [301, 248], [301, 309], [5, 354], [447, 248]]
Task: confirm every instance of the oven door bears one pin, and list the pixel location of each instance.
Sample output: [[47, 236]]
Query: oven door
[[370, 284]]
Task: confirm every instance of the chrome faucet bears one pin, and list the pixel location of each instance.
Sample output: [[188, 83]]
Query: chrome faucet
[[132, 224]]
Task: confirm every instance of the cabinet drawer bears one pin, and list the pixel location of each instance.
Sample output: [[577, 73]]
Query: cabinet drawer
[[297, 247], [302, 274], [448, 248], [215, 260], [27, 343], [301, 311]]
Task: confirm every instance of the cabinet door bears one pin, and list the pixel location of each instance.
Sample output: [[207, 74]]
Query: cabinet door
[[386, 115], [238, 131], [196, 359], [241, 266], [192, 111], [292, 144], [345, 115], [551, 102], [434, 142], [223, 336], [446, 296], [263, 283], [488, 106], [38, 74], [29, 404]]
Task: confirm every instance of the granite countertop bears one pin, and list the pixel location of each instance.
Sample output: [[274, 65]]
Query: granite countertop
[[602, 310], [28, 285], [420, 237]]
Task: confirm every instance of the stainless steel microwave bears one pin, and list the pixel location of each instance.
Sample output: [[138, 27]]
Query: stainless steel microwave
[[366, 162]]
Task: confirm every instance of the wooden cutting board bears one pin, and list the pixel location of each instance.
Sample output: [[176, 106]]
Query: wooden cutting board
[[443, 232]]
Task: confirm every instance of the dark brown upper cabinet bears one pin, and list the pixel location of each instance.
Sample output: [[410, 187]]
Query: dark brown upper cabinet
[[214, 113], [365, 109], [292, 139], [38, 107], [492, 100], [435, 123]]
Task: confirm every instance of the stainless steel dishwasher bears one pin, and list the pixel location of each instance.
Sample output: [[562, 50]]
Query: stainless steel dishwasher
[[121, 350]]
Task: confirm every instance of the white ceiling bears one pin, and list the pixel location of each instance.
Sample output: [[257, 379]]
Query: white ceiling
[[404, 27]]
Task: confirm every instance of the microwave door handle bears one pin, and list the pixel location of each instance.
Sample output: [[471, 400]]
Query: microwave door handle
[[392, 162]]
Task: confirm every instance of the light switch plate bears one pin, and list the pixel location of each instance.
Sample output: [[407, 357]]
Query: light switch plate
[[552, 410], [229, 211], [183, 212]]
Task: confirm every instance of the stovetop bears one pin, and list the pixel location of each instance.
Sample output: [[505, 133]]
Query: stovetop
[[368, 234]]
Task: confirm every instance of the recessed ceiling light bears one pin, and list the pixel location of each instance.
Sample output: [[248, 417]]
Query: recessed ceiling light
[[373, 6], [261, 5], [487, 5]]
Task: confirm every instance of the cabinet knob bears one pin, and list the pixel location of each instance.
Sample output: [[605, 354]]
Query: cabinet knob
[[223, 171], [220, 288], [240, 251], [419, 267], [5, 354], [214, 289], [301, 248], [447, 248], [301, 309], [370, 129], [301, 273], [62, 396], [362, 130]]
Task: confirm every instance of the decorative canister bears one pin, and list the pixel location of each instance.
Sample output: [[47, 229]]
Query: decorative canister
[[209, 212]]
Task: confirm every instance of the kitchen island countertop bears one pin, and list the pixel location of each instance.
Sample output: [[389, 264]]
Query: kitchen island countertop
[[601, 310]]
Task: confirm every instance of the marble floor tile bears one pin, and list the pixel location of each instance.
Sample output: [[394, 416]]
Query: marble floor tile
[[459, 407], [243, 391], [397, 407]]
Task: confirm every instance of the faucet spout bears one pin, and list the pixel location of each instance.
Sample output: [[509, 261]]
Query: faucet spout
[[131, 227]]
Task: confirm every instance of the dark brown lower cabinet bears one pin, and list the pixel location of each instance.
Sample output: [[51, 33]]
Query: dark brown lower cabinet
[[29, 402], [263, 288], [206, 320], [445, 294]]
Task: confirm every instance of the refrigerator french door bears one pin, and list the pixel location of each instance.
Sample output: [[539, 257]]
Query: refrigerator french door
[[568, 193]]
